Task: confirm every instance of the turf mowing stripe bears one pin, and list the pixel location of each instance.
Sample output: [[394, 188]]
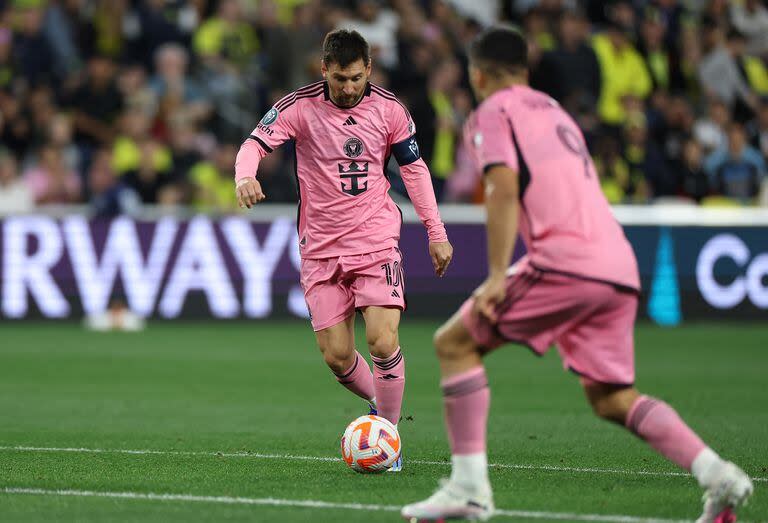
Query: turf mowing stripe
[[322, 504], [257, 455]]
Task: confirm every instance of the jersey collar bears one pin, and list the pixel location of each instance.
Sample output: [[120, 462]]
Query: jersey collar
[[327, 95]]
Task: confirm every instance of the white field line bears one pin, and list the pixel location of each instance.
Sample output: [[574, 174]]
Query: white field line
[[307, 503], [259, 455]]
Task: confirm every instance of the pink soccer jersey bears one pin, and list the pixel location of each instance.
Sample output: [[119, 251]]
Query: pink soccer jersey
[[565, 220], [341, 155]]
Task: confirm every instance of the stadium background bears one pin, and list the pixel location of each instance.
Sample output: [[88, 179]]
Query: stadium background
[[119, 123]]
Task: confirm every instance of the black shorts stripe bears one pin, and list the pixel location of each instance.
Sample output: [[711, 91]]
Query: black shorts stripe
[[261, 142]]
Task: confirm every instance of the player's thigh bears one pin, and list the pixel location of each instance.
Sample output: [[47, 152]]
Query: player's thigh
[[529, 314], [337, 341], [378, 279], [329, 298], [600, 346], [381, 326]]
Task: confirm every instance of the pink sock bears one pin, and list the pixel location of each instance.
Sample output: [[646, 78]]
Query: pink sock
[[467, 399], [389, 383], [660, 425], [358, 378]]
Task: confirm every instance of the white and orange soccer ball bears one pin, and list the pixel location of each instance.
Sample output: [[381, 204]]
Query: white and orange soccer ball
[[370, 444]]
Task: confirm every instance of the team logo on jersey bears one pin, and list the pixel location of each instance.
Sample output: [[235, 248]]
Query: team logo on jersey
[[270, 117], [353, 178], [411, 127], [353, 147]]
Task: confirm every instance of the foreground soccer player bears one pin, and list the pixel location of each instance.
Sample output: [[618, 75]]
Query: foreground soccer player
[[345, 130], [577, 288]]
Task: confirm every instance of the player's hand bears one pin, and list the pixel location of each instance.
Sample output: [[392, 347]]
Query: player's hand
[[488, 297], [441, 254], [249, 192]]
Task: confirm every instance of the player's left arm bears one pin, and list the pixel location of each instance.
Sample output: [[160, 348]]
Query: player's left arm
[[418, 182]]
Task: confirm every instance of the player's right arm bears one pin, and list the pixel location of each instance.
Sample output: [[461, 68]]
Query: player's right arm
[[277, 126]]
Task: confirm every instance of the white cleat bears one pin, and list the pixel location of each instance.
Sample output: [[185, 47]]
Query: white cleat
[[731, 489], [451, 501]]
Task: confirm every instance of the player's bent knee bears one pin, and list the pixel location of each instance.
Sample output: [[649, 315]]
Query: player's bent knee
[[383, 343], [338, 359], [450, 345], [610, 402]]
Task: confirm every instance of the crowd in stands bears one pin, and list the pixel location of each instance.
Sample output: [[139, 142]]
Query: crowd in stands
[[119, 103]]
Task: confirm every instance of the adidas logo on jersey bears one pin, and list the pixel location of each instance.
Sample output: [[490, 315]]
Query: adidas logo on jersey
[[395, 294], [350, 121]]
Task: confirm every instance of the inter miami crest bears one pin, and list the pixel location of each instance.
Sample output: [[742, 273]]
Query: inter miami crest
[[353, 147]]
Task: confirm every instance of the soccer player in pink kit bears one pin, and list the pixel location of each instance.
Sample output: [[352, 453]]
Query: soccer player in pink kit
[[577, 288], [345, 130]]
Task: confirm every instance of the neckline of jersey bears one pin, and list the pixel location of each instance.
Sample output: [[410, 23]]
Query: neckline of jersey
[[327, 95]]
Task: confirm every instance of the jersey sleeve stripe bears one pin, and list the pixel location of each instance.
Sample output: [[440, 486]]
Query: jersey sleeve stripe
[[389, 96], [261, 142], [285, 103]]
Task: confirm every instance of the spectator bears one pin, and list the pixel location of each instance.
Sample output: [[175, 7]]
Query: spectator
[[623, 73], [15, 195], [642, 157], [722, 78], [50, 181], [15, 126], [173, 87], [760, 129], [695, 182], [441, 87], [657, 57], [710, 130], [34, 55], [613, 170], [570, 73], [750, 17], [379, 26], [212, 181], [8, 69], [736, 171], [226, 41], [157, 22], [127, 147], [97, 103], [109, 196]]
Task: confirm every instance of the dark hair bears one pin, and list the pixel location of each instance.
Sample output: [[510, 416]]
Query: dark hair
[[500, 49], [344, 47]]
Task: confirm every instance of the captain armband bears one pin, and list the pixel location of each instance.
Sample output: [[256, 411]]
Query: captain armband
[[406, 152]]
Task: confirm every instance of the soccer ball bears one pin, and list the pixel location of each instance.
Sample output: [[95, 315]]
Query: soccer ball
[[370, 444]]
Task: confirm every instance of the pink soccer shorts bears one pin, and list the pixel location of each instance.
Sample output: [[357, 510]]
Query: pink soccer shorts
[[335, 287], [590, 322]]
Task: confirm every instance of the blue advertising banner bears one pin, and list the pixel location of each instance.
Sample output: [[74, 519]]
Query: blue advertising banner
[[233, 267]]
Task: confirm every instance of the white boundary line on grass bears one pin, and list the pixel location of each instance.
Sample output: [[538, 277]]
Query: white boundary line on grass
[[258, 455], [307, 503]]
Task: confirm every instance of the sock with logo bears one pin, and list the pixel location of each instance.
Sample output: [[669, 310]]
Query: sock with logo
[[389, 384]]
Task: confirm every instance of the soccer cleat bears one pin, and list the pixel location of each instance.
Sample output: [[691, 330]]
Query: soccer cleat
[[730, 490], [450, 501], [397, 466]]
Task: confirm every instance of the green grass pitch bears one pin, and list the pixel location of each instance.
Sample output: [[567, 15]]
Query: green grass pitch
[[224, 404]]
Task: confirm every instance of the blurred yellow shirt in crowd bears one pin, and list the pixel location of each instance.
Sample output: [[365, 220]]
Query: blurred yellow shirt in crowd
[[623, 74]]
